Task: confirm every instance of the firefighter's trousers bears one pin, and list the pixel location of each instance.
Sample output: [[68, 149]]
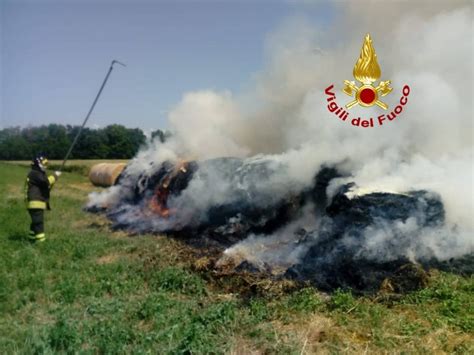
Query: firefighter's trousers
[[37, 224]]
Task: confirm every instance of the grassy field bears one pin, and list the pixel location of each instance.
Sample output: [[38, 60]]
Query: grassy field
[[89, 290]]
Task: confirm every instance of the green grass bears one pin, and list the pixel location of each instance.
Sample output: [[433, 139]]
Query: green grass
[[88, 290]]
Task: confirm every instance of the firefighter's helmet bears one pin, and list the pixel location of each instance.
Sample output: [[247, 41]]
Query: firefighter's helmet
[[40, 161]]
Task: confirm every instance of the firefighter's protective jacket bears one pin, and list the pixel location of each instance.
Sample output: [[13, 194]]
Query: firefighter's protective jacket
[[37, 189]]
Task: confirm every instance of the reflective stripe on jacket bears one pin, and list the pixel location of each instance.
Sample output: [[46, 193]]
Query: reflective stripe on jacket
[[37, 187]]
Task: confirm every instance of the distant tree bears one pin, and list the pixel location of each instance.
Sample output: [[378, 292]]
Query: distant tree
[[138, 138], [15, 148], [90, 145], [36, 137], [162, 136], [123, 142], [111, 142], [57, 142], [95, 143], [158, 134]]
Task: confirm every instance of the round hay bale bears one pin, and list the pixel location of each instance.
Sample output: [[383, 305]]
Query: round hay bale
[[105, 174]]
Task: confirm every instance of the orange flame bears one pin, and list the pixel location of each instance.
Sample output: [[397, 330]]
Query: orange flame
[[367, 70], [159, 201]]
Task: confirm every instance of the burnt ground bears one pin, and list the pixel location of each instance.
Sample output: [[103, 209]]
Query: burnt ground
[[338, 254], [204, 256], [331, 262]]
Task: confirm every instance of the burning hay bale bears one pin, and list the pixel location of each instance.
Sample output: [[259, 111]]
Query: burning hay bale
[[229, 197], [364, 240], [246, 212]]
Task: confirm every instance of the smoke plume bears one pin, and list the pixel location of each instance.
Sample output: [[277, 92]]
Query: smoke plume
[[284, 119]]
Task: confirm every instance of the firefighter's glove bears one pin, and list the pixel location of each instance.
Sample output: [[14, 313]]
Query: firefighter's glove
[[57, 174]]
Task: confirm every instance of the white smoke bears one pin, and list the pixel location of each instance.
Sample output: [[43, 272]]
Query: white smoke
[[279, 251], [426, 45], [390, 241]]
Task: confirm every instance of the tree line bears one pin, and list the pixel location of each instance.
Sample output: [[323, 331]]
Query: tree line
[[111, 142]]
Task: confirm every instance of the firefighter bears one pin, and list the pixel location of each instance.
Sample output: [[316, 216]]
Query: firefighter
[[37, 188]]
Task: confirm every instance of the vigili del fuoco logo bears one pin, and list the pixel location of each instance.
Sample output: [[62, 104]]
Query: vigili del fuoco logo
[[366, 94]]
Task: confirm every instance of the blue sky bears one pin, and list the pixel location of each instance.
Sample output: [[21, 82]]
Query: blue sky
[[55, 54]]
